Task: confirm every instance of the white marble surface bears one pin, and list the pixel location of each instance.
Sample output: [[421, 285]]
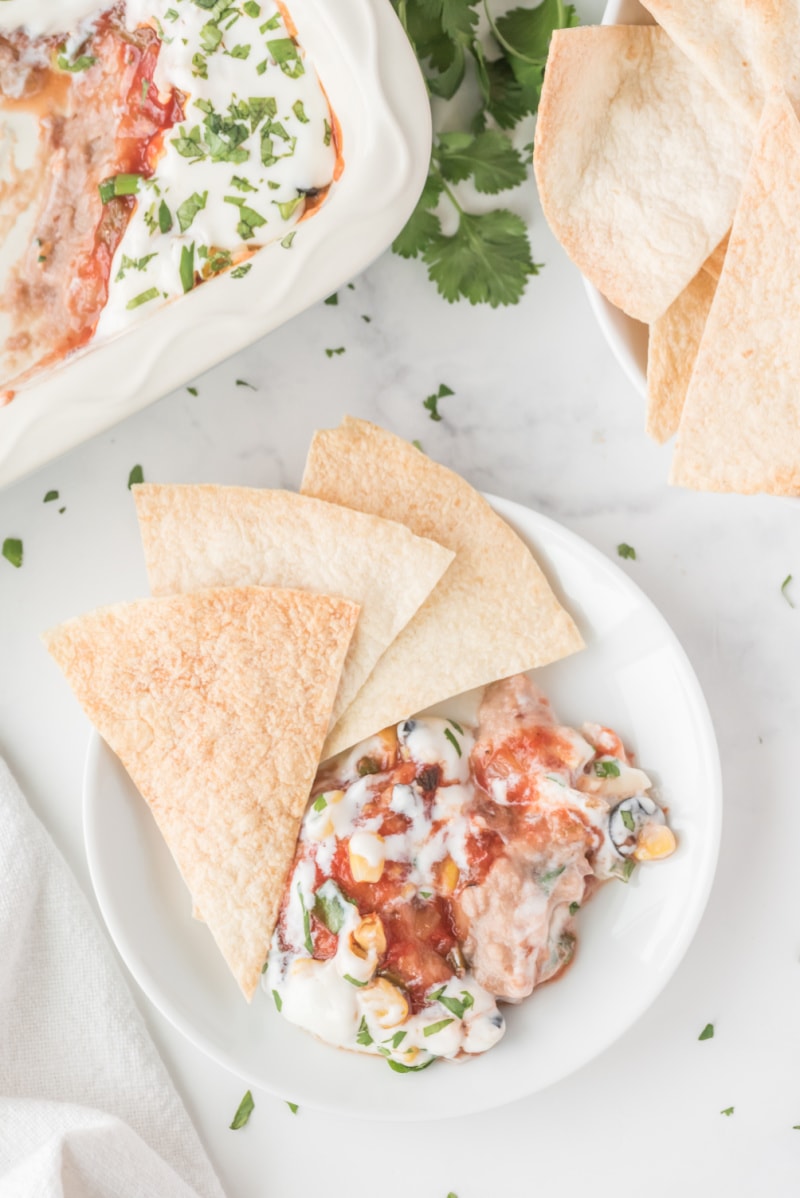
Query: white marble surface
[[543, 415]]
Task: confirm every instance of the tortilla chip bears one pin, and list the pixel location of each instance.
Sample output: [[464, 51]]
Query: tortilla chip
[[493, 613], [672, 350], [740, 429], [196, 537], [217, 704], [639, 162], [743, 49]]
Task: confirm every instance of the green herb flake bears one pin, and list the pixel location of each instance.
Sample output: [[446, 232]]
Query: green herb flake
[[363, 1036], [79, 64], [309, 943], [439, 1026], [607, 769], [240, 51], [453, 741], [285, 53], [332, 353], [333, 299], [707, 1032], [398, 1038], [628, 820], [784, 591], [171, 14], [187, 267], [728, 1111], [418, 445], [118, 185], [293, 1107], [329, 907], [320, 803], [627, 870], [243, 1113], [457, 1006], [353, 981], [550, 876], [574, 908], [277, 1000], [244, 383], [287, 245], [242, 184], [399, 1067], [192, 390], [271, 24], [455, 724], [251, 8], [240, 271], [367, 319], [12, 551], [143, 297], [164, 218], [326, 137], [432, 402], [287, 208], [367, 765], [626, 551], [189, 209], [298, 108], [50, 496], [136, 476]]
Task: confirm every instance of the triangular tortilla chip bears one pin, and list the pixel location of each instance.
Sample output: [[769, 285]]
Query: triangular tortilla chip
[[639, 162], [493, 613], [743, 47], [740, 429], [196, 537], [672, 348], [217, 704]]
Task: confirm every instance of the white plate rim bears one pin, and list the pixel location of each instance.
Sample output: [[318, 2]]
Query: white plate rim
[[551, 529]]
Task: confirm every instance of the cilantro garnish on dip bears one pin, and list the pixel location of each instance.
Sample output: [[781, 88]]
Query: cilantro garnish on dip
[[432, 881]]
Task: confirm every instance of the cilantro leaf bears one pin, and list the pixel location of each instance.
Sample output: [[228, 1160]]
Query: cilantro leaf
[[489, 158], [457, 18], [243, 1112], [626, 551], [784, 591], [707, 1032], [136, 476], [486, 261], [12, 551], [432, 404], [422, 226]]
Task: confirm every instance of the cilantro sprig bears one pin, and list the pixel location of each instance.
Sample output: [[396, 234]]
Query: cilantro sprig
[[487, 259]]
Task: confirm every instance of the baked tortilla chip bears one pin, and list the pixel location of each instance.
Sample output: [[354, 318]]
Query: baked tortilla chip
[[196, 537], [672, 348], [743, 47], [639, 162], [493, 613], [217, 705], [740, 429]]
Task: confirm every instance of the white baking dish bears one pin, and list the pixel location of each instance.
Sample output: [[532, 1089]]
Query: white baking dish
[[376, 90]]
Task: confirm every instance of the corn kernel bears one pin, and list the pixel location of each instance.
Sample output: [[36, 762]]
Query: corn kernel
[[448, 876], [386, 1003], [655, 841], [366, 868], [369, 936]]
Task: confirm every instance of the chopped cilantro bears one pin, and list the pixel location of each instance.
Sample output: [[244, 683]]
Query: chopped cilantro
[[333, 299], [299, 111], [143, 297], [133, 264], [243, 1113], [574, 908], [240, 51], [432, 1028], [293, 1107], [118, 185], [432, 402], [784, 591], [251, 8], [171, 14], [453, 741], [326, 137], [187, 267], [12, 551], [363, 1037], [188, 210], [136, 476], [399, 1067], [367, 319], [455, 724], [398, 1038], [320, 803], [244, 383], [288, 208], [418, 445], [50, 496], [309, 943], [82, 63], [277, 999], [707, 1032], [550, 876], [164, 218], [331, 353], [367, 765], [606, 769], [353, 981], [329, 907], [240, 271], [192, 390], [242, 184], [628, 820], [457, 1005], [626, 551], [728, 1111], [286, 55], [271, 24], [287, 245]]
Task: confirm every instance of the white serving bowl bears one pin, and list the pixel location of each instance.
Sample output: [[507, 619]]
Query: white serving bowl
[[375, 88]]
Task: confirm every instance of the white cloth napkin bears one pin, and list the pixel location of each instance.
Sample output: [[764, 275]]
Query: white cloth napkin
[[87, 1109]]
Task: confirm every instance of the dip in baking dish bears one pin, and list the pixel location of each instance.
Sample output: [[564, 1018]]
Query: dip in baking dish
[[175, 139], [439, 871]]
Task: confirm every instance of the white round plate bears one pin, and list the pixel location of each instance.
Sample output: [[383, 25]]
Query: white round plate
[[626, 337], [634, 677]]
